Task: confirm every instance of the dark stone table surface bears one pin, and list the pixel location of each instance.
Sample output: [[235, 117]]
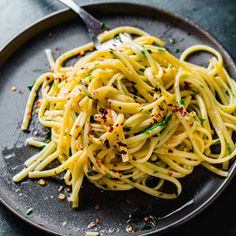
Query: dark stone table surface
[[216, 16]]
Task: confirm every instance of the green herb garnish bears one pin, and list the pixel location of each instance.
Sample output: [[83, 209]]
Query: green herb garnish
[[216, 142], [143, 52], [108, 175], [48, 134], [29, 211], [181, 101], [41, 147], [70, 152], [118, 38], [158, 124], [102, 25], [229, 148], [148, 111], [31, 86], [177, 50], [153, 219]]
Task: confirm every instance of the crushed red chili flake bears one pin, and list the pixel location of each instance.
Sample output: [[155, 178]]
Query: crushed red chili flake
[[181, 110], [170, 151], [170, 173], [122, 144], [107, 144], [21, 92], [50, 34], [97, 207], [110, 129], [109, 211], [92, 225], [187, 85], [146, 219], [98, 221], [123, 152]]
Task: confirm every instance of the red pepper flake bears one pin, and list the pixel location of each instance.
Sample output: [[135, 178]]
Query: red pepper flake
[[146, 219], [107, 144], [97, 207], [21, 92], [81, 147], [38, 103], [92, 225], [170, 173], [28, 114], [170, 151], [122, 144], [110, 129], [98, 221], [50, 34], [123, 152], [181, 110], [187, 85], [109, 211]]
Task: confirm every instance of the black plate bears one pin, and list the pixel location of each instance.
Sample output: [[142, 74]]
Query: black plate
[[23, 60]]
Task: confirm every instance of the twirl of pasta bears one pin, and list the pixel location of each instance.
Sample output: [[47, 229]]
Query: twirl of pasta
[[122, 116]]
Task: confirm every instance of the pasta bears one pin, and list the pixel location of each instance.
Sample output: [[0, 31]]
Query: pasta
[[134, 116]]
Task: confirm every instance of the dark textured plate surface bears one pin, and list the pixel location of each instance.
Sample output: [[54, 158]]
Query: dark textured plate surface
[[23, 60]]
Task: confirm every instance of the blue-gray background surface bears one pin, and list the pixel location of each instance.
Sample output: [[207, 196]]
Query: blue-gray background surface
[[216, 16]]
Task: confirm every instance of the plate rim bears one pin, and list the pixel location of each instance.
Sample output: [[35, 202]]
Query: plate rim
[[191, 23]]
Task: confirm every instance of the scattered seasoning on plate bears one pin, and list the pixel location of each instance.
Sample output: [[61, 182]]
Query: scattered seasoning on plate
[[92, 225], [21, 92], [109, 211], [97, 207], [42, 182], [29, 211], [62, 196], [177, 50], [13, 88], [102, 25], [98, 220]]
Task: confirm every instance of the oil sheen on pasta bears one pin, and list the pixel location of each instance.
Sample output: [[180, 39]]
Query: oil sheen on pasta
[[122, 116]]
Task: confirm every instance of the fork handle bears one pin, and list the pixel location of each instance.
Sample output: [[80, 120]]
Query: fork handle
[[94, 26]]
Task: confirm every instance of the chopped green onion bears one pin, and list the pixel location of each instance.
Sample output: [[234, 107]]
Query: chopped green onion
[[31, 86]]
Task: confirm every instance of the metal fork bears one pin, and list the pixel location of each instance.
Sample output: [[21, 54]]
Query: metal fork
[[94, 27]]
